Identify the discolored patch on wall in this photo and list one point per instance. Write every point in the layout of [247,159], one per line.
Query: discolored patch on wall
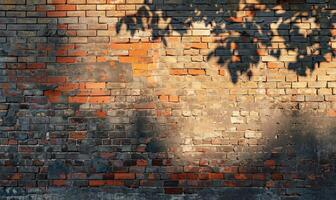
[97,72]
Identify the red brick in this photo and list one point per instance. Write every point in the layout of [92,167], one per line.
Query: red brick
[36,66]
[53,96]
[124,176]
[142,162]
[68,87]
[57,79]
[114,182]
[277,176]
[173,190]
[241,176]
[65,59]
[16,176]
[215,176]
[269,163]
[58,183]
[96,183]
[258,177]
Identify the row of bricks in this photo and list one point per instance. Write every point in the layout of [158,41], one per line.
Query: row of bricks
[172,176]
[22,2]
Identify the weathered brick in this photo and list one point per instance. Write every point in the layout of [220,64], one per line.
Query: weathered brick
[167,96]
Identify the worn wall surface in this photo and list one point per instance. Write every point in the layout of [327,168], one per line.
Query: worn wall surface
[170,99]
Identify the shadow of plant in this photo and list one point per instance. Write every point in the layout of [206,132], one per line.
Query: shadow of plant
[245,32]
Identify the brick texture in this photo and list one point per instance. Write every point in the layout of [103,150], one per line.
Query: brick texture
[171,97]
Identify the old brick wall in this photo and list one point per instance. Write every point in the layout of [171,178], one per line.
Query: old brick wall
[171,99]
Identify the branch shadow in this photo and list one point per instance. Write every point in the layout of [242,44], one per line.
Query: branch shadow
[245,32]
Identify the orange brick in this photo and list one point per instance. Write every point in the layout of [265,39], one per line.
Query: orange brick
[94,92]
[163,113]
[163,97]
[101,114]
[93,85]
[261,52]
[331,113]
[66,47]
[174,98]
[178,71]
[275,65]
[126,59]
[78,135]
[235,58]
[221,72]
[77,53]
[76,99]
[101,59]
[196,72]
[138,52]
[333,32]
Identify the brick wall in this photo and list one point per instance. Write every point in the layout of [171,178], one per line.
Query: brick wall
[135,99]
